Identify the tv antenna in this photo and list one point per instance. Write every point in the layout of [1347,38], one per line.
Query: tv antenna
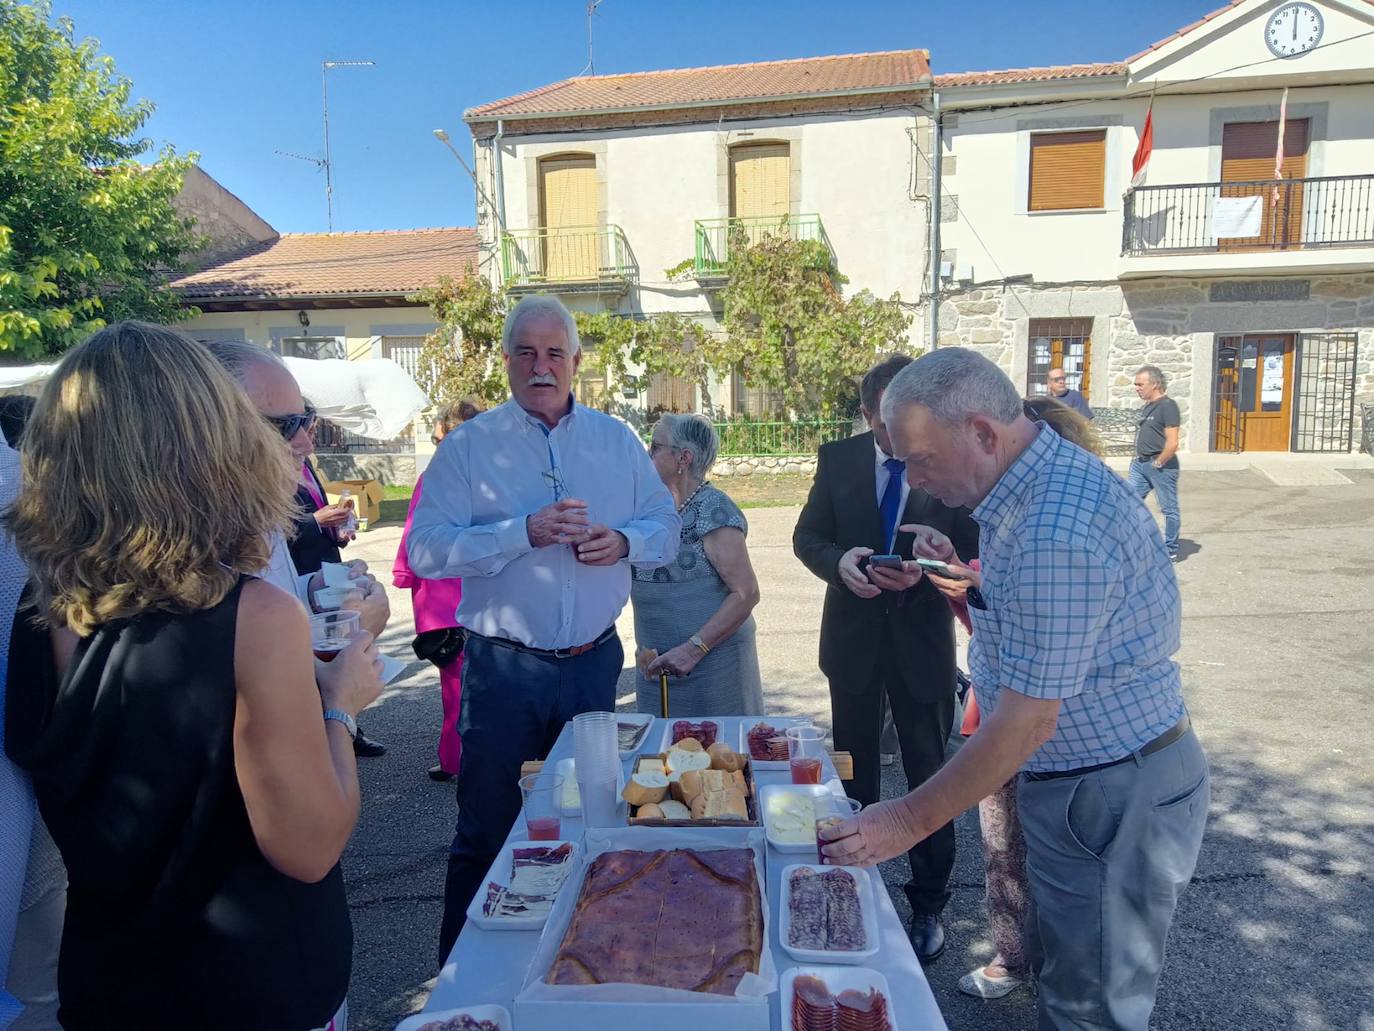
[592,5]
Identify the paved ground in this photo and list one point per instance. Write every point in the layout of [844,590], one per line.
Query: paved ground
[1278,927]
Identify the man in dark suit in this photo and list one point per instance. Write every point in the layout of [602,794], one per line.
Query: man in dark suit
[885,632]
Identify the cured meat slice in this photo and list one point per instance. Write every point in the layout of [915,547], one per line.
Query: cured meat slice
[844,922]
[815,1009]
[806,911]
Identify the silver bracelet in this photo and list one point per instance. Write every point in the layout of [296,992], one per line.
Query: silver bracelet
[350,724]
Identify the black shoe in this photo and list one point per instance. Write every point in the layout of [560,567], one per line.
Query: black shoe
[927,936]
[365,748]
[439,773]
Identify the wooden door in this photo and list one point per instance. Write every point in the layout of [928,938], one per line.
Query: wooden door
[567,202]
[1247,154]
[1255,410]
[760,180]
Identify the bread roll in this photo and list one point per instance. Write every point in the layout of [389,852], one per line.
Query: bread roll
[689,744]
[650,811]
[649,764]
[644,788]
[688,786]
[675,811]
[723,757]
[680,760]
[720,805]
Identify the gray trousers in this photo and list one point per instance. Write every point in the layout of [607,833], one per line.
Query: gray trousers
[1107,856]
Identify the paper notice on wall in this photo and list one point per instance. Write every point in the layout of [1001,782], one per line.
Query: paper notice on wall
[1271,383]
[1237,217]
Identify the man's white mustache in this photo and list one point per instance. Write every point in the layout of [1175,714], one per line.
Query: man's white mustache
[542,381]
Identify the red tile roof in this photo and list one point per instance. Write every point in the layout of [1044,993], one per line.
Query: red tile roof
[392,262]
[763,80]
[1066,71]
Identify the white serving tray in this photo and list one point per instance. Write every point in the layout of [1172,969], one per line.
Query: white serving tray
[543,1007]
[836,979]
[770,790]
[777,722]
[500,873]
[642,718]
[665,742]
[867,910]
[496,1014]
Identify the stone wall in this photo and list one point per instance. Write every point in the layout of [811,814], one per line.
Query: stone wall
[1169,323]
[764,465]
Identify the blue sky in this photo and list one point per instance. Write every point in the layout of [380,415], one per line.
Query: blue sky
[237,81]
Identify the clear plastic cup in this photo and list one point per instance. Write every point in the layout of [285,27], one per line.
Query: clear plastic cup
[330,632]
[540,794]
[831,811]
[805,753]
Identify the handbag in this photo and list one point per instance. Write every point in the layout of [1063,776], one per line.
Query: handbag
[441,646]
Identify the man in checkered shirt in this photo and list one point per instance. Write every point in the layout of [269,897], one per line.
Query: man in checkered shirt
[1075,625]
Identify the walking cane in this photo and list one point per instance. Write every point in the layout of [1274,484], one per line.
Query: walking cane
[663,692]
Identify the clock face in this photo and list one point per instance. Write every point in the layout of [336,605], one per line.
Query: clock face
[1293,29]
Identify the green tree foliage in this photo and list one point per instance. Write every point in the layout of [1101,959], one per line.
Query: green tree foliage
[87,233]
[462,357]
[788,326]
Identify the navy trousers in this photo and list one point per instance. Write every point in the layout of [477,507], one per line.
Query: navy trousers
[514,706]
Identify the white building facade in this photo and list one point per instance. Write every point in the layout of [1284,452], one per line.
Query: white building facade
[619,193]
[1250,285]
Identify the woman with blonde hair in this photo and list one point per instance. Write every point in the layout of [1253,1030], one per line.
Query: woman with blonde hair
[189,757]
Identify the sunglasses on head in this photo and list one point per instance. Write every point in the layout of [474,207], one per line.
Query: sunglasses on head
[289,425]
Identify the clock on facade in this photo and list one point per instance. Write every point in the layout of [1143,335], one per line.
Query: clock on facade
[1293,29]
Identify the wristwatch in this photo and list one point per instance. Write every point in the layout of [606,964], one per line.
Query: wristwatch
[350,724]
[696,640]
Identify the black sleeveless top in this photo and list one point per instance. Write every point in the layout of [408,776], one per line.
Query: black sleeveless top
[174,917]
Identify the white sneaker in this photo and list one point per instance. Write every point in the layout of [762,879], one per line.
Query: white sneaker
[978,984]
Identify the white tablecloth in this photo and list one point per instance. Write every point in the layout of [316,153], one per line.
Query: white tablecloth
[490,966]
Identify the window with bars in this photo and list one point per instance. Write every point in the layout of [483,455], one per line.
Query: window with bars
[1059,344]
[1068,170]
[405,352]
[317,347]
[756,402]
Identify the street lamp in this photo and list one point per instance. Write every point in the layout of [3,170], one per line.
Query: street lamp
[442,136]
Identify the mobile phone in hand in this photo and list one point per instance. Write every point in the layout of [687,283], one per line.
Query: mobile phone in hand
[934,565]
[886,561]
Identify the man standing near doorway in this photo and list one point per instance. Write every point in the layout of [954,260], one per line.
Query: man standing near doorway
[885,633]
[1155,466]
[540,506]
[1058,382]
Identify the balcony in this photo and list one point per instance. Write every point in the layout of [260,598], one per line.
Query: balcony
[1321,224]
[567,259]
[715,236]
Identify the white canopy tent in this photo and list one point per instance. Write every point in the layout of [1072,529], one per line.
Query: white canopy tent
[374,398]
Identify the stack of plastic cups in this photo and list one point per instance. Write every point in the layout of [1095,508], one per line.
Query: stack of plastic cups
[596,752]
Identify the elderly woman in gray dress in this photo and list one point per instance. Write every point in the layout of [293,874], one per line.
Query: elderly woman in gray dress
[695,613]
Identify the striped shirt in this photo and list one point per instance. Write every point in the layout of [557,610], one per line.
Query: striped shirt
[1081,605]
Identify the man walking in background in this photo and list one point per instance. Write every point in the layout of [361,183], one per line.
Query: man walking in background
[885,634]
[540,506]
[1155,466]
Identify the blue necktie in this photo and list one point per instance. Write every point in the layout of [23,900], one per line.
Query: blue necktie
[890,507]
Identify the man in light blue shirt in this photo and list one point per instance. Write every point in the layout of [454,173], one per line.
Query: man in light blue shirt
[1074,629]
[539,505]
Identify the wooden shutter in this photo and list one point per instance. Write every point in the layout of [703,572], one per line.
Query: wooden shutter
[1247,155]
[567,198]
[760,180]
[1068,170]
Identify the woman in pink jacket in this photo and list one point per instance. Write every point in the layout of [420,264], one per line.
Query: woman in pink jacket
[435,603]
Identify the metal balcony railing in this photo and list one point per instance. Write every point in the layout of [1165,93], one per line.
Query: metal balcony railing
[714,237]
[566,255]
[1257,215]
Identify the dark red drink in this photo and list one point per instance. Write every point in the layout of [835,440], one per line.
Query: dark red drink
[326,650]
[543,828]
[805,770]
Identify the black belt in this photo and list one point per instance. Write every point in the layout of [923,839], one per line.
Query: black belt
[551,653]
[1163,741]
